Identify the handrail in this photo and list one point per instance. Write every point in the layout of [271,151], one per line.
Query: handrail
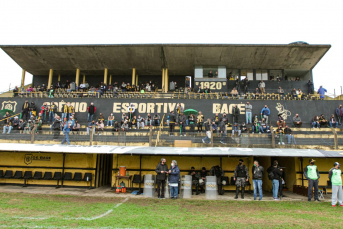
[9,117]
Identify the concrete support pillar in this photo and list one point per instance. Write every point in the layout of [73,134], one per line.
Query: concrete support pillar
[105,76]
[133,76]
[77,79]
[51,73]
[23,78]
[110,82]
[84,79]
[136,79]
[59,78]
[166,80]
[163,73]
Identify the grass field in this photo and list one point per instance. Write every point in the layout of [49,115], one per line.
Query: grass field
[59,211]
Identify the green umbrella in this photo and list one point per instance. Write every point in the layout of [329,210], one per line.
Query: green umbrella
[3,112]
[190,111]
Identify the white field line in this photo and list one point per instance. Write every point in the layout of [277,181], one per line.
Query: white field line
[79,218]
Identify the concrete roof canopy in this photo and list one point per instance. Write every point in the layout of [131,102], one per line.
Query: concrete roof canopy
[149,59]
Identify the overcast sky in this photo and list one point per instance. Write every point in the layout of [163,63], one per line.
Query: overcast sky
[127,22]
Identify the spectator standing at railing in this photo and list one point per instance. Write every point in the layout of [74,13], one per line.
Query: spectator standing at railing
[91,111]
[15,91]
[208,130]
[128,87]
[153,88]
[207,90]
[148,87]
[339,114]
[172,121]
[297,121]
[262,87]
[51,92]
[25,110]
[66,131]
[265,112]
[223,129]
[182,124]
[248,110]
[33,109]
[52,111]
[44,110]
[235,113]
[281,92]
[289,135]
[110,119]
[140,122]
[333,122]
[123,86]
[64,111]
[200,121]
[321,91]
[29,89]
[199,90]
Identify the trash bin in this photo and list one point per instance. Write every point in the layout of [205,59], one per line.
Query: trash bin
[186,182]
[211,188]
[149,185]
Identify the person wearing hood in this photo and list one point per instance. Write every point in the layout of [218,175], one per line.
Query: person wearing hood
[311,173]
[240,176]
[174,176]
[335,176]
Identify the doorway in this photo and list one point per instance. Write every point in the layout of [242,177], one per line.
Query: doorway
[103,175]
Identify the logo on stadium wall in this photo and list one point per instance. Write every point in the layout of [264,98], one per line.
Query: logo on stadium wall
[281,110]
[9,105]
[28,159]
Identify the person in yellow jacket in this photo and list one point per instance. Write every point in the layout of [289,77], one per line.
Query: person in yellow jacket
[70,110]
[64,111]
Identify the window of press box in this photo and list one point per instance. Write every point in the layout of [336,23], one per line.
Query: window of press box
[261,74]
[245,73]
[210,72]
[232,74]
[275,74]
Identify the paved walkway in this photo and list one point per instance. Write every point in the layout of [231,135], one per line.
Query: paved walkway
[106,192]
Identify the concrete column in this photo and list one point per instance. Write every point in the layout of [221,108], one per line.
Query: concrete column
[51,73]
[105,76]
[23,78]
[109,83]
[163,73]
[59,78]
[77,79]
[166,80]
[133,77]
[136,79]
[84,79]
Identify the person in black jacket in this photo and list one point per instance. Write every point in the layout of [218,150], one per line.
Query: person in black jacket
[277,174]
[219,173]
[235,113]
[208,130]
[172,121]
[161,170]
[25,110]
[281,181]
[240,175]
[182,123]
[257,173]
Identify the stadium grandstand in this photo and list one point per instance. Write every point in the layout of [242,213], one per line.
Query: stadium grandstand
[130,105]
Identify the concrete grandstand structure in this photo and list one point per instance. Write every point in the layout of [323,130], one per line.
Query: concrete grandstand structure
[162,64]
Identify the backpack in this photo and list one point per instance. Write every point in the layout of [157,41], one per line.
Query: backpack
[271,175]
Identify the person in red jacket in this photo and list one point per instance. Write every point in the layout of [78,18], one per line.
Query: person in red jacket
[91,111]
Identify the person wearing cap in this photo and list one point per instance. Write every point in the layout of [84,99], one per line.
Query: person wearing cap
[195,179]
[335,176]
[312,175]
[240,175]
